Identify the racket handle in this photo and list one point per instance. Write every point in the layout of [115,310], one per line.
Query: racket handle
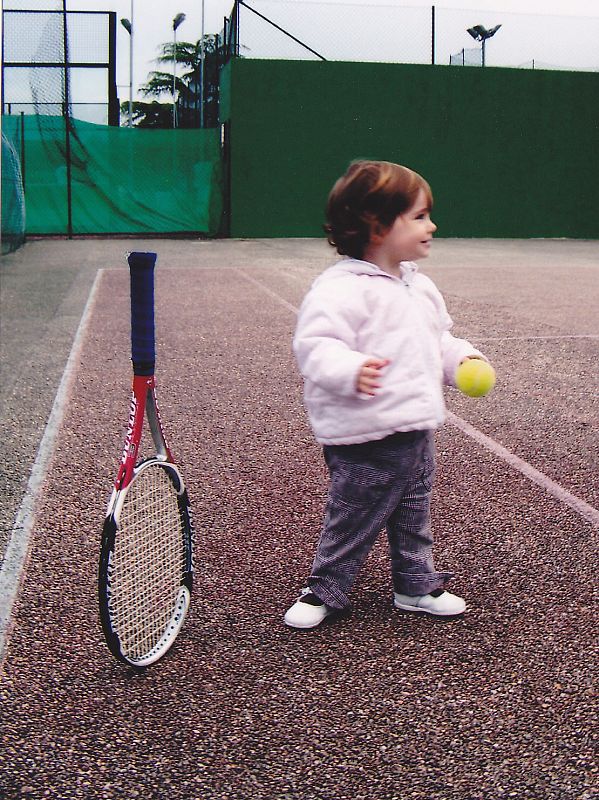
[143,352]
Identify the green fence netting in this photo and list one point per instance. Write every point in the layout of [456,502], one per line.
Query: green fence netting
[13,201]
[117,180]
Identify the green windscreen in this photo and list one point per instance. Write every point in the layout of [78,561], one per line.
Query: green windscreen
[117,180]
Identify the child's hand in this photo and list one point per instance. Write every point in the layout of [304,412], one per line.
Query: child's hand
[471,358]
[369,375]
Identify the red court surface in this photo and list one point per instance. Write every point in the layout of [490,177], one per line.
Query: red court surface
[373,706]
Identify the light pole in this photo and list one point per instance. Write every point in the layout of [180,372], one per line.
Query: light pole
[202,58]
[128,26]
[176,22]
[481,34]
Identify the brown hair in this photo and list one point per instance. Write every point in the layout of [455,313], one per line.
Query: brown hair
[370,196]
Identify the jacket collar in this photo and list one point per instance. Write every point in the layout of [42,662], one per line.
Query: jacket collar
[354,266]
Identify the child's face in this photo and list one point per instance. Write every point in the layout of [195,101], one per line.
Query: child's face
[410,236]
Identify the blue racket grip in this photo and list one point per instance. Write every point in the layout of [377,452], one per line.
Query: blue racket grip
[143,352]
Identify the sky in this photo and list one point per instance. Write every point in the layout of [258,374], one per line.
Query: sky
[152,20]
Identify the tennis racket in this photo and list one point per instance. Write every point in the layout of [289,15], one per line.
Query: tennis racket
[145,573]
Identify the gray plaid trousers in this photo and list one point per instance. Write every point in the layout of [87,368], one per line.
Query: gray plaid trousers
[377,485]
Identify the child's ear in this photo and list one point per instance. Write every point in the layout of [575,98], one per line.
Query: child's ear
[377,233]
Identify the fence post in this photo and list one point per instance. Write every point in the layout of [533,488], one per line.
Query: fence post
[67,121]
[23,149]
[114,111]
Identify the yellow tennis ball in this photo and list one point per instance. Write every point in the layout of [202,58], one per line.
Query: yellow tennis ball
[475,377]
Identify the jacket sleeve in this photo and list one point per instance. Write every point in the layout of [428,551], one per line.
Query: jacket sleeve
[453,350]
[323,343]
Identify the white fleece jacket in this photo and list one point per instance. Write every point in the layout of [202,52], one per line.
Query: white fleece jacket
[355,310]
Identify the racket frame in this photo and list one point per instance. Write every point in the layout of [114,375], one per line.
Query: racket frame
[143,404]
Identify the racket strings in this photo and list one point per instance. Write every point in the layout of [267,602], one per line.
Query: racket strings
[149,562]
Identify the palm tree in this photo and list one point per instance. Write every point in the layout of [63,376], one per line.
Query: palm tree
[150,115]
[186,86]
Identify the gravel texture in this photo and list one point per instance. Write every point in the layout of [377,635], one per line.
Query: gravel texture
[371,706]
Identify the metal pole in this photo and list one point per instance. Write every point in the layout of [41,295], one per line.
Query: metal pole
[23,149]
[174,75]
[67,122]
[176,22]
[131,69]
[202,56]
[2,70]
[484,42]
[432,34]
[274,25]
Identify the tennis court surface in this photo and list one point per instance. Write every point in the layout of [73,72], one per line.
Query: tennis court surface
[374,706]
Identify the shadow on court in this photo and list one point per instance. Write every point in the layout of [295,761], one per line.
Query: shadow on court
[374,706]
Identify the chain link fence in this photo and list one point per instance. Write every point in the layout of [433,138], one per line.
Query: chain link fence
[52,60]
[304,29]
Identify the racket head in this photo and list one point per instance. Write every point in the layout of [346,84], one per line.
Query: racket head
[145,574]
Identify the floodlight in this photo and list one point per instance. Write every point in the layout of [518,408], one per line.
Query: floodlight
[178,20]
[481,34]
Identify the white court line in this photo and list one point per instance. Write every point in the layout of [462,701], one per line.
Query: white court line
[19,542]
[268,290]
[537,338]
[551,487]
[583,508]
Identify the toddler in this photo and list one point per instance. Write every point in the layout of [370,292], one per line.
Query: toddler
[373,344]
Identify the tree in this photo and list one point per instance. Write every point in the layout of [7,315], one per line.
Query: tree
[150,115]
[187,87]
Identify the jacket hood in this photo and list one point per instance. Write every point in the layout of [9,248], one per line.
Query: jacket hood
[354,266]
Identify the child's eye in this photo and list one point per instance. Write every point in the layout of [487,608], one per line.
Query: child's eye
[423,214]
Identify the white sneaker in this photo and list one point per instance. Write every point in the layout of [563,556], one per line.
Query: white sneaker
[307,611]
[445,604]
